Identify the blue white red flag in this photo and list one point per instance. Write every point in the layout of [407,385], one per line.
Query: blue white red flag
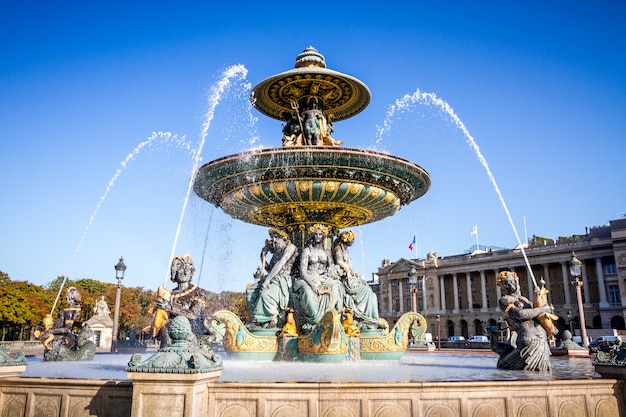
[412,245]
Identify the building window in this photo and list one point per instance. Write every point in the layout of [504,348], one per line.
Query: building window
[615,298]
[610,269]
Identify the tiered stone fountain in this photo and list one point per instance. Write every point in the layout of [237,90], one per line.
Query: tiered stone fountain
[312,182]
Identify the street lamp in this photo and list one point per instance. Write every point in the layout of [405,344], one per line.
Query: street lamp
[120,268]
[438,332]
[575,268]
[413,280]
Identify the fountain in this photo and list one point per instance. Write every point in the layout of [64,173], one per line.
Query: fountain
[308,191]
[312,183]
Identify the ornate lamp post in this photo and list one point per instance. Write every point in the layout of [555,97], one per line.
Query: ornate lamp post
[413,280]
[120,268]
[575,268]
[438,332]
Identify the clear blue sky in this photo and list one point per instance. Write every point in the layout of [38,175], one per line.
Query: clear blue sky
[541,87]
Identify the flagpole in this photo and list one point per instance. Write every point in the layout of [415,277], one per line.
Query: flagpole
[475,232]
[477,247]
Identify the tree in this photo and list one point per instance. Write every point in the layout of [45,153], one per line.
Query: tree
[22,306]
[228,300]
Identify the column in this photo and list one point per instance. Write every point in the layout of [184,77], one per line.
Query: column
[531,285]
[498,289]
[442,293]
[566,285]
[390,291]
[483,290]
[468,281]
[601,285]
[401,294]
[455,291]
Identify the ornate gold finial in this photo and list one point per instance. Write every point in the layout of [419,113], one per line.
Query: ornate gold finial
[310,57]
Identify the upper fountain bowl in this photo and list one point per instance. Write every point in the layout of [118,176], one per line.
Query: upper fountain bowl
[341,96]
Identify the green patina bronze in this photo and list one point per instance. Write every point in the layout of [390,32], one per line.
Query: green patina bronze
[6,359]
[182,356]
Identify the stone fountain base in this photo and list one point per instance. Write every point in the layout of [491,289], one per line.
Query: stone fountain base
[30,397]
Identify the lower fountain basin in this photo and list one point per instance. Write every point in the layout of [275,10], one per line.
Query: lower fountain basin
[288,187]
[422,366]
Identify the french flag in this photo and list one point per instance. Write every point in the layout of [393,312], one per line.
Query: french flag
[412,245]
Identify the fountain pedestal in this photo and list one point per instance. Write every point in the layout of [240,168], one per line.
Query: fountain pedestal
[165,394]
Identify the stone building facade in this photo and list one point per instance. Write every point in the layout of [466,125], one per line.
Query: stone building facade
[459,297]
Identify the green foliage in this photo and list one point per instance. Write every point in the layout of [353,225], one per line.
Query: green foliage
[228,300]
[56,284]
[91,286]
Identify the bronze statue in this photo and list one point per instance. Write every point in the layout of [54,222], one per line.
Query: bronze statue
[318,287]
[527,348]
[186,333]
[268,300]
[60,339]
[359,297]
[311,124]
[185,300]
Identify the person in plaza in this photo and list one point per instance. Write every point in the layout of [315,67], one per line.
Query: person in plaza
[318,287]
[528,347]
[359,296]
[269,298]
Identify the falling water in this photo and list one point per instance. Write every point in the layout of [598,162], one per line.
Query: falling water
[163,136]
[215,96]
[206,243]
[432,99]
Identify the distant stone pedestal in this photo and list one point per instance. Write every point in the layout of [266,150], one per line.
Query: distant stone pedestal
[102,326]
[173,395]
[576,352]
[11,371]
